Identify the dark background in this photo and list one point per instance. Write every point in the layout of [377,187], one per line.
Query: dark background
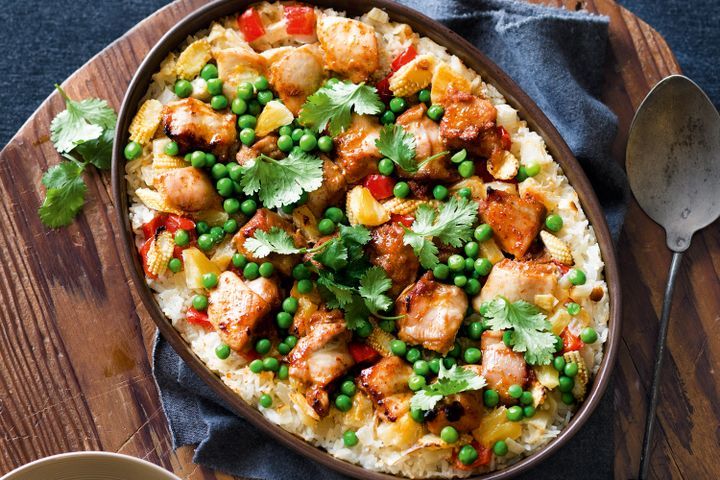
[43,42]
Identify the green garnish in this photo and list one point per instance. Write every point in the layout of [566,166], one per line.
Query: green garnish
[281,182]
[451,224]
[373,285]
[330,107]
[83,133]
[529,329]
[449,382]
[275,240]
[399,146]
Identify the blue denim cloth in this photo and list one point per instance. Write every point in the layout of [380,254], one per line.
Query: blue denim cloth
[557,58]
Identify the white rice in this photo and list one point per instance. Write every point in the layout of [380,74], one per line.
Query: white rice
[379,448]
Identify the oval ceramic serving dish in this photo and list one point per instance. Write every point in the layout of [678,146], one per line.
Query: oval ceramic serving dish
[490,72]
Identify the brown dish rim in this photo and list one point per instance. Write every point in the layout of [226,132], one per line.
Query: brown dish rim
[474,59]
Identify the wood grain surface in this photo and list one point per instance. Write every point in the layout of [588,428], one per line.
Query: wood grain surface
[74,344]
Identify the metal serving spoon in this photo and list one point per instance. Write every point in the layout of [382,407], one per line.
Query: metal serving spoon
[673,165]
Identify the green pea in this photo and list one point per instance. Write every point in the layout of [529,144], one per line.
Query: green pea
[251,271]
[417,414]
[182,238]
[248,207]
[290,305]
[217,233]
[285,143]
[326,226]
[266,269]
[283,348]
[210,160]
[231,205]
[325,143]
[455,351]
[435,112]
[416,382]
[265,400]
[577,276]
[283,372]
[172,149]
[387,118]
[559,344]
[469,264]
[424,95]
[459,157]
[522,174]
[421,367]
[209,280]
[343,402]
[132,150]
[473,286]
[222,351]
[183,88]
[401,190]
[588,335]
[285,130]
[175,265]
[483,266]
[386,166]
[508,338]
[263,346]
[472,355]
[348,388]
[515,390]
[288,209]
[264,97]
[239,260]
[500,448]
[491,398]
[514,413]
[215,86]
[554,222]
[305,286]
[245,91]
[224,187]
[456,263]
[271,364]
[532,169]
[297,134]
[284,319]
[397,104]
[398,347]
[413,355]
[219,102]
[209,72]
[335,214]
[467,454]
[566,384]
[200,302]
[559,363]
[247,121]
[254,107]
[472,249]
[475,330]
[197,159]
[571,369]
[465,192]
[350,439]
[247,136]
[440,192]
[449,435]
[434,364]
[301,272]
[291,340]
[567,398]
[256,366]
[234,171]
[466,169]
[526,398]
[441,271]
[261,83]
[387,325]
[238,106]
[572,308]
[483,232]
[460,280]
[205,242]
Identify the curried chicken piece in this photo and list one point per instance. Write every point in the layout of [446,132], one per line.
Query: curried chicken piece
[428,142]
[194,125]
[432,314]
[350,47]
[469,122]
[501,366]
[386,383]
[238,65]
[297,74]
[462,411]
[264,220]
[319,358]
[266,145]
[356,150]
[236,308]
[188,189]
[332,190]
[388,251]
[518,281]
[515,221]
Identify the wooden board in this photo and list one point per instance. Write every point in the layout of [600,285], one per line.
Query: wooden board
[74,345]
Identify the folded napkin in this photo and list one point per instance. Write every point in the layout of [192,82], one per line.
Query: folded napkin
[557,57]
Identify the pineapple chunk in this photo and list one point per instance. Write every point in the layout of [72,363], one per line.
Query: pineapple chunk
[223,255]
[495,426]
[503,167]
[193,59]
[559,320]
[545,301]
[196,265]
[402,433]
[444,79]
[491,251]
[547,376]
[363,209]
[273,116]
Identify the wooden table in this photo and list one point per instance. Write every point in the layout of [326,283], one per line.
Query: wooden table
[74,344]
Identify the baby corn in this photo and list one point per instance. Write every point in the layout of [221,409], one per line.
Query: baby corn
[146,121]
[558,250]
[413,76]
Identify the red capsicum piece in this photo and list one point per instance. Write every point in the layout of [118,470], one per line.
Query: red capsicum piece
[299,20]
[406,220]
[362,352]
[198,318]
[251,25]
[380,186]
[570,342]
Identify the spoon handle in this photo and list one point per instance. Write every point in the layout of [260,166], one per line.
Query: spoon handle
[659,358]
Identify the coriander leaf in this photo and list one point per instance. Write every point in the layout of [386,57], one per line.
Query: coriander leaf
[276,240]
[282,182]
[334,254]
[330,107]
[336,294]
[451,224]
[356,234]
[98,151]
[355,311]
[80,122]
[449,382]
[373,284]
[530,328]
[399,146]
[65,194]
